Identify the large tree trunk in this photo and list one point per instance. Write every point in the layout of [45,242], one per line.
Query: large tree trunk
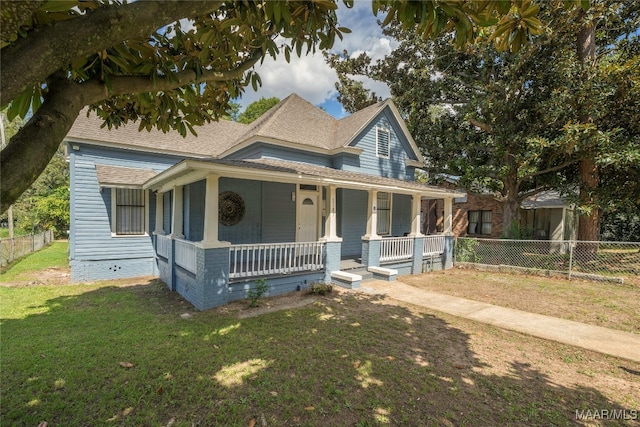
[510,198]
[588,225]
[510,208]
[30,150]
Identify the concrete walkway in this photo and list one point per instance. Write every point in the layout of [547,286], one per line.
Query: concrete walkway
[603,340]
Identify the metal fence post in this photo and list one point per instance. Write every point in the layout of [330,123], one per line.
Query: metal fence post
[455,247]
[570,257]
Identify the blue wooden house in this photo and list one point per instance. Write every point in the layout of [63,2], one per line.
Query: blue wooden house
[295,197]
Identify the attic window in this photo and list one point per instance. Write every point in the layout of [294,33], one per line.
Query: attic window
[383,138]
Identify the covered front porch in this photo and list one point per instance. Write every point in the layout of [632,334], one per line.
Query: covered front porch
[222,225]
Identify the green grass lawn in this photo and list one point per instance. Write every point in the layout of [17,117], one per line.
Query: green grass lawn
[120,353]
[111,353]
[55,255]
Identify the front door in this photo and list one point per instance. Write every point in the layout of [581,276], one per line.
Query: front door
[307,217]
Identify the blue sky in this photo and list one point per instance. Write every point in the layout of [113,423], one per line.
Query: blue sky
[310,77]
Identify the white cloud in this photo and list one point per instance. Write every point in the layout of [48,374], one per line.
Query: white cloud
[309,76]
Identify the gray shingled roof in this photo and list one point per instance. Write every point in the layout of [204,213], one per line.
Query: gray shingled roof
[350,125]
[114,176]
[213,138]
[545,199]
[293,120]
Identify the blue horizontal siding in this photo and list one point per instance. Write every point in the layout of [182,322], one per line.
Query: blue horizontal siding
[249,229]
[261,150]
[278,213]
[352,206]
[369,162]
[193,206]
[95,254]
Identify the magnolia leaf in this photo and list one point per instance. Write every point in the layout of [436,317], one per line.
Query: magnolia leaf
[59,5]
[20,106]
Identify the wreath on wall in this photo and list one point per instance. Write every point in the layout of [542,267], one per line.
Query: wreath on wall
[231,208]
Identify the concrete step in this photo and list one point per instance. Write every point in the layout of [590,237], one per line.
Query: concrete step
[366,275]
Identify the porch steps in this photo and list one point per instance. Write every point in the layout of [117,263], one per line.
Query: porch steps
[346,279]
[353,278]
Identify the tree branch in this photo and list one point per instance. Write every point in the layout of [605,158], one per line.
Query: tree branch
[30,150]
[23,160]
[95,90]
[485,127]
[548,170]
[50,48]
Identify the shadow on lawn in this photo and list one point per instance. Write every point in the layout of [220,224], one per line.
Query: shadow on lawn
[345,360]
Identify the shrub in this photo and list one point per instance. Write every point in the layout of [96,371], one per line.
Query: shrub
[257,292]
[320,288]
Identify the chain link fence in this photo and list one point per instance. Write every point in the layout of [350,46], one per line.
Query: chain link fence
[12,249]
[610,261]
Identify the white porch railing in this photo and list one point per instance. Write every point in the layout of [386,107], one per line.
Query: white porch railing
[274,258]
[396,248]
[433,245]
[163,245]
[185,255]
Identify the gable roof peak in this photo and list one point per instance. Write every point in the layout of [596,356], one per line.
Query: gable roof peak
[295,120]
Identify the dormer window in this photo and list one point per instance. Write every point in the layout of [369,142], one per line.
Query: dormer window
[383,140]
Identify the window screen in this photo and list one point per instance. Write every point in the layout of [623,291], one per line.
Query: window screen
[129,211]
[384,214]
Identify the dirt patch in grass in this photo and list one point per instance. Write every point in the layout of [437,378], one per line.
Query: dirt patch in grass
[48,276]
[243,310]
[610,305]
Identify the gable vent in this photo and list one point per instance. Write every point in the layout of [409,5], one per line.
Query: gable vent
[383,138]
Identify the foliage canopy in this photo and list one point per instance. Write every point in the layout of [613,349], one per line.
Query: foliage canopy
[173,65]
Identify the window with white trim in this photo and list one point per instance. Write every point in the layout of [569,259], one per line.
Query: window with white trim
[129,211]
[383,227]
[383,141]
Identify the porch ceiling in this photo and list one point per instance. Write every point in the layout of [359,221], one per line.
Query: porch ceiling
[290,172]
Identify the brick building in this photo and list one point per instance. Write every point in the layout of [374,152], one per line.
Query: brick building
[476,215]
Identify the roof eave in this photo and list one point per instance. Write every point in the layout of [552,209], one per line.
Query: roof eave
[193,170]
[122,146]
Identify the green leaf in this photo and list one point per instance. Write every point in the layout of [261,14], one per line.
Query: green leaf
[20,106]
[58,5]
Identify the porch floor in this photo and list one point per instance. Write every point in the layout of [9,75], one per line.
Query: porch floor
[351,264]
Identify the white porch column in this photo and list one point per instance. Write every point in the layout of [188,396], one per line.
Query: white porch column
[176,214]
[372,216]
[159,214]
[415,215]
[448,216]
[330,227]
[211,206]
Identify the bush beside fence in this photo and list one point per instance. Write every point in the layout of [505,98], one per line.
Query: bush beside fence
[613,261]
[12,249]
